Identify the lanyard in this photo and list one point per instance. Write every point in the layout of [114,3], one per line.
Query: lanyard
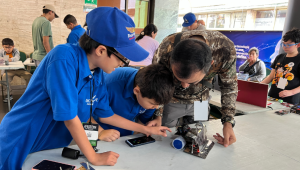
[91,99]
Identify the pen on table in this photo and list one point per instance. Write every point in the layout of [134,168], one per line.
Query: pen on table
[87,165]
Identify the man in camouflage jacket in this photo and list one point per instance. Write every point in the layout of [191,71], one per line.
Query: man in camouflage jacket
[223,65]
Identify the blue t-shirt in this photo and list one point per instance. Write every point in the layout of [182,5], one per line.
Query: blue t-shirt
[120,84]
[58,90]
[75,34]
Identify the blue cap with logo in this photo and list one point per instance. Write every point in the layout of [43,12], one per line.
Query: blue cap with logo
[188,19]
[112,27]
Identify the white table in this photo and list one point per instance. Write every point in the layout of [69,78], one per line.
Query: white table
[265,141]
[28,63]
[12,66]
[244,107]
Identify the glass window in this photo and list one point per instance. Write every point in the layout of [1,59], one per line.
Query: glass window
[138,11]
[280,19]
[223,21]
[238,20]
[264,20]
[141,14]
[212,20]
[202,17]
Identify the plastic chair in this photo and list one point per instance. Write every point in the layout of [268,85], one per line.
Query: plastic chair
[32,67]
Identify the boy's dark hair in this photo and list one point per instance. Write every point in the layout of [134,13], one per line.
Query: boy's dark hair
[70,19]
[8,41]
[147,31]
[88,44]
[45,11]
[293,35]
[189,56]
[155,82]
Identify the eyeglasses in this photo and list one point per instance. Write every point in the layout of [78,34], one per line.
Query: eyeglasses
[126,63]
[288,45]
[9,47]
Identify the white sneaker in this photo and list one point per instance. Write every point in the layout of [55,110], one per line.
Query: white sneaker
[6,99]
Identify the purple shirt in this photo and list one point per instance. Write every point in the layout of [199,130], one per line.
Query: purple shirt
[150,45]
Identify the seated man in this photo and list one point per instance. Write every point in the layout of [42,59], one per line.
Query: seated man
[14,55]
[76,30]
[135,94]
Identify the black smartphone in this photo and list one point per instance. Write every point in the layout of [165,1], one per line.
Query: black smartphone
[51,165]
[140,141]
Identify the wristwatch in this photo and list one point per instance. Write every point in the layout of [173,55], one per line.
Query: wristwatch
[228,119]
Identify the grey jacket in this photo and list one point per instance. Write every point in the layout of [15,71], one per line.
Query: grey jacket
[259,68]
[15,53]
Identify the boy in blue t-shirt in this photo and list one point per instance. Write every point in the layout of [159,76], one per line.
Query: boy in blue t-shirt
[285,74]
[135,94]
[58,97]
[76,30]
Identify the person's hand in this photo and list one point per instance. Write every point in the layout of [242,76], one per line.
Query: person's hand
[105,158]
[285,93]
[155,122]
[249,79]
[109,135]
[229,136]
[161,130]
[9,60]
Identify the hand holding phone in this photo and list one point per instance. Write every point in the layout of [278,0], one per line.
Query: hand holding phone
[140,141]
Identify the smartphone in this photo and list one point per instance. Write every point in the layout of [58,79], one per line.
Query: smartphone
[51,165]
[140,141]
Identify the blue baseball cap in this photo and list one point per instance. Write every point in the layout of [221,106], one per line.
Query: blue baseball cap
[112,27]
[188,19]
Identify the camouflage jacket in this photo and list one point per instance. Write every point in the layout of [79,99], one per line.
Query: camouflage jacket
[224,56]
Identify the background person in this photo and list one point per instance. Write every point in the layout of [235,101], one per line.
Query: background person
[146,39]
[255,67]
[76,30]
[42,34]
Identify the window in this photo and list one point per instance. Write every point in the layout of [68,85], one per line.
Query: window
[238,20]
[202,17]
[212,20]
[223,21]
[280,19]
[264,20]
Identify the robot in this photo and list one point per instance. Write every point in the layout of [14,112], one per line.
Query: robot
[197,143]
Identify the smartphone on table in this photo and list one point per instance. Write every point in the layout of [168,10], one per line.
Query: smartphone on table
[51,165]
[140,141]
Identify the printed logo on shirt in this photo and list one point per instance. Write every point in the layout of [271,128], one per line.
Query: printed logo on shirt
[142,111]
[88,101]
[283,72]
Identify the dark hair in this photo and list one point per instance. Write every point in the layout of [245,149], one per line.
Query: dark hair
[45,11]
[147,31]
[70,19]
[293,35]
[8,41]
[155,82]
[88,44]
[191,55]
